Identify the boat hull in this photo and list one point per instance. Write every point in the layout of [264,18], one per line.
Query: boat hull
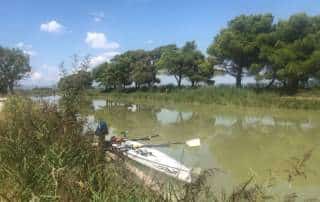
[157,160]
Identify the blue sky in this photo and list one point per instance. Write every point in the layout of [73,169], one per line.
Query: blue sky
[52,31]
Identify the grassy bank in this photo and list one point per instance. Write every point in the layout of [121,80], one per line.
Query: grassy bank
[43,157]
[244,97]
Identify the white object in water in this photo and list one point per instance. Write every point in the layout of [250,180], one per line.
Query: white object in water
[157,160]
[193,142]
[132,108]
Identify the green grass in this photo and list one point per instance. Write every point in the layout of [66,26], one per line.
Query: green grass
[44,158]
[243,97]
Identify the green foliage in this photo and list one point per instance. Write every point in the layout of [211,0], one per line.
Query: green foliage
[72,86]
[136,66]
[236,46]
[294,54]
[80,80]
[172,61]
[121,66]
[106,75]
[14,65]
[286,52]
[186,62]
[144,71]
[197,68]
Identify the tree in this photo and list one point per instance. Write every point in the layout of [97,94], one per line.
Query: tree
[121,68]
[144,70]
[206,70]
[14,66]
[80,79]
[156,53]
[99,74]
[186,62]
[173,62]
[290,54]
[198,69]
[236,48]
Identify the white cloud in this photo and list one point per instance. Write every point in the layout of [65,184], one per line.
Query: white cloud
[104,57]
[51,27]
[23,45]
[26,48]
[44,75]
[97,16]
[99,40]
[35,76]
[149,42]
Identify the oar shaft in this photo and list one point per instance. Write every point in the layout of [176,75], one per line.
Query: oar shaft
[161,145]
[144,138]
[155,145]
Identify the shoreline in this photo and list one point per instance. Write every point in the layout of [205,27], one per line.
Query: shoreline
[2,100]
[242,98]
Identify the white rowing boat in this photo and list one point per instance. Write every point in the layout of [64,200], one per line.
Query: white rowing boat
[156,160]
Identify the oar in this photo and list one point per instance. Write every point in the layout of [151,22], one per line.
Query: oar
[190,143]
[144,138]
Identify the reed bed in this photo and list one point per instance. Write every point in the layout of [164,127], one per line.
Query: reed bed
[243,97]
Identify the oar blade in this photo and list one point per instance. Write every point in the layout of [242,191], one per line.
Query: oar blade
[193,142]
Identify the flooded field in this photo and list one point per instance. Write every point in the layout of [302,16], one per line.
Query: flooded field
[275,146]
[266,143]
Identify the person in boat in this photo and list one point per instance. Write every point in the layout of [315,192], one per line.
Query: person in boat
[105,139]
[102,131]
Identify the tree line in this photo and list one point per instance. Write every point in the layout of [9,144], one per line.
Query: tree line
[285,53]
[140,67]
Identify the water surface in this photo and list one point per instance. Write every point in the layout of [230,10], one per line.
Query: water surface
[241,142]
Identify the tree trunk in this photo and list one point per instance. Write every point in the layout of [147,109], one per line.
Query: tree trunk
[272,80]
[178,79]
[239,78]
[10,85]
[192,83]
[293,85]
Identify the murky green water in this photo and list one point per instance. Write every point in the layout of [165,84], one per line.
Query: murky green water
[240,142]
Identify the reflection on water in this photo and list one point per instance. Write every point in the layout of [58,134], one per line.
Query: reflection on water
[54,99]
[167,116]
[98,104]
[240,142]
